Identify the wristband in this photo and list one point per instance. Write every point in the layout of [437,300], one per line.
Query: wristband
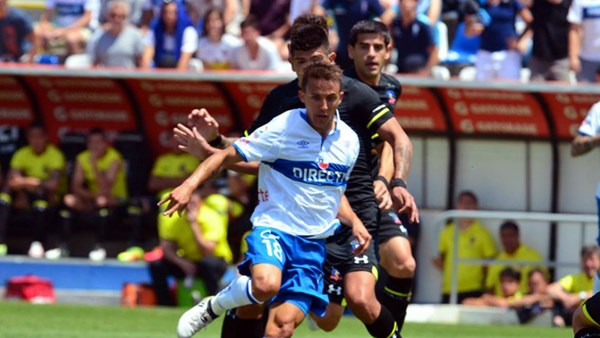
[398,182]
[216,143]
[383,179]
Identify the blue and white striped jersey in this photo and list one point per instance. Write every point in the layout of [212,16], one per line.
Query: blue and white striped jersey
[302,175]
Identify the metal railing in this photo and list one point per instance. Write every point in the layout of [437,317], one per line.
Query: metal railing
[442,219]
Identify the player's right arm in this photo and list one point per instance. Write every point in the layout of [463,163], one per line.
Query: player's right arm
[347,216]
[180,196]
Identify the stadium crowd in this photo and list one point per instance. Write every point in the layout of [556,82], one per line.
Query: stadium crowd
[252,35]
[470,39]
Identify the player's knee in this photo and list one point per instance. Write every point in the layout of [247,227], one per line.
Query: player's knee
[402,267]
[329,323]
[265,287]
[282,326]
[362,302]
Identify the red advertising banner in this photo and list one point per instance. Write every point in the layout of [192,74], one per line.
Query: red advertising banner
[248,97]
[568,110]
[484,112]
[74,104]
[15,108]
[419,111]
[164,103]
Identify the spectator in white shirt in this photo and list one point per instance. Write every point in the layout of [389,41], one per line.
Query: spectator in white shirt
[215,49]
[257,52]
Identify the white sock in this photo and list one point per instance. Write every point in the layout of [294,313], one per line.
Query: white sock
[236,294]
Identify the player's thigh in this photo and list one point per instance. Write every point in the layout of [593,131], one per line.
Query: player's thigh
[359,286]
[395,256]
[283,319]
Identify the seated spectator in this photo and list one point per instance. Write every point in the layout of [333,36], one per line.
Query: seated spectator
[134,9]
[172,41]
[570,291]
[193,245]
[474,242]
[584,41]
[513,250]
[499,56]
[257,52]
[509,281]
[17,37]
[98,186]
[272,21]
[33,184]
[215,49]
[198,10]
[66,23]
[537,300]
[413,40]
[117,43]
[345,14]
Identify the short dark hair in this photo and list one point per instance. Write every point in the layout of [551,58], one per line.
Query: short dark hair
[97,131]
[468,193]
[511,273]
[369,27]
[590,249]
[321,71]
[250,21]
[308,32]
[509,225]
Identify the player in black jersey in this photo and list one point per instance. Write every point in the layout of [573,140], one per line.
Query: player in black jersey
[363,111]
[586,319]
[369,48]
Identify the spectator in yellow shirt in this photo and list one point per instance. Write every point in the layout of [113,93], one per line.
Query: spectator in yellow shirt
[98,186]
[33,184]
[193,244]
[569,292]
[475,242]
[514,250]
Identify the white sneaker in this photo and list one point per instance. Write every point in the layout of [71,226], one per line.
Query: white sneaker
[98,254]
[36,250]
[56,253]
[194,319]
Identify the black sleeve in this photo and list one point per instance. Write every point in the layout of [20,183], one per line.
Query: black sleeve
[375,111]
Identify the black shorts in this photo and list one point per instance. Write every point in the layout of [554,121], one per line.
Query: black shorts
[390,226]
[340,260]
[591,308]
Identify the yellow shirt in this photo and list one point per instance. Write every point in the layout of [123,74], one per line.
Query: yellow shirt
[213,225]
[577,282]
[524,253]
[119,185]
[473,243]
[173,165]
[40,166]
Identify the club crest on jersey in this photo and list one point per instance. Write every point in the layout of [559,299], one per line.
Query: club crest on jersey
[323,165]
[391,96]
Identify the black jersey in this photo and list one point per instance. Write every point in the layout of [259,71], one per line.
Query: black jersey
[363,111]
[389,90]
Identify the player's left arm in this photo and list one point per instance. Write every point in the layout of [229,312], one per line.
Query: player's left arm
[180,196]
[381,183]
[347,216]
[392,132]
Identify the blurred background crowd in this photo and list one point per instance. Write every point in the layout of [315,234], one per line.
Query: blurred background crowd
[468,39]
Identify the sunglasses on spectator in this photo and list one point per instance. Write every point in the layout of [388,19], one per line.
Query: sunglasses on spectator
[117,16]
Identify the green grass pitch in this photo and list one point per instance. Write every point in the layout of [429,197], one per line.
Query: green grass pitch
[24,320]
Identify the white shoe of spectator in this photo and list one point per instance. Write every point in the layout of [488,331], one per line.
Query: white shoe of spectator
[36,250]
[56,253]
[98,254]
